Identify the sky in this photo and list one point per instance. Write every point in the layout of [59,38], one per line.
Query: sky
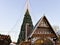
[12,14]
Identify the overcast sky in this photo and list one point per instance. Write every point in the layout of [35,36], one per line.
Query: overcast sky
[12,13]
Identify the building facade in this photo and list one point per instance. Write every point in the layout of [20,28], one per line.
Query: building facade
[42,34]
[5,40]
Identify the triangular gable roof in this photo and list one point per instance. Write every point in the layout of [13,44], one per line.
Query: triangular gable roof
[38,25]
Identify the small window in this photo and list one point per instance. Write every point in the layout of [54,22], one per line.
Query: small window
[38,27]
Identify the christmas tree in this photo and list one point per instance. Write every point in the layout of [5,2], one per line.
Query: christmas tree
[27,19]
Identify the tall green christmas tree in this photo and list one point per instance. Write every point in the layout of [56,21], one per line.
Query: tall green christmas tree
[27,19]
